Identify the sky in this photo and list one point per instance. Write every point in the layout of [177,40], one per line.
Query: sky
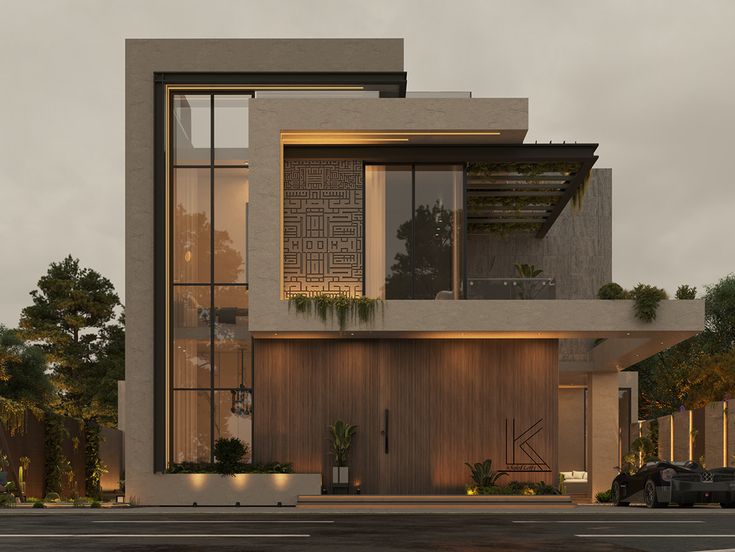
[653,82]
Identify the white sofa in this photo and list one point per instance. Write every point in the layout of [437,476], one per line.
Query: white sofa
[573,482]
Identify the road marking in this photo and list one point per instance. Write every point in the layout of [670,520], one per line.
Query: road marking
[669,535]
[209,521]
[718,550]
[148,535]
[610,521]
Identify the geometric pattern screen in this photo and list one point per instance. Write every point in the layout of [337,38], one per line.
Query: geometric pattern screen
[322,227]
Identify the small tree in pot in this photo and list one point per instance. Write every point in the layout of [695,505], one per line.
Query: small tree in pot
[340,440]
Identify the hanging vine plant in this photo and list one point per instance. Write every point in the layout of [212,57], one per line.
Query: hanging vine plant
[328,307]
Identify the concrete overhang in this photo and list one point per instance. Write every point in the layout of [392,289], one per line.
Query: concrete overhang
[613,321]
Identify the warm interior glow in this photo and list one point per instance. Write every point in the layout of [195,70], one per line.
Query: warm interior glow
[368,137]
[690,436]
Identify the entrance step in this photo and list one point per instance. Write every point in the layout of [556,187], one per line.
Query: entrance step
[342,502]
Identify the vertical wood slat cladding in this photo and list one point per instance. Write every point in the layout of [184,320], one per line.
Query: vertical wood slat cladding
[448,403]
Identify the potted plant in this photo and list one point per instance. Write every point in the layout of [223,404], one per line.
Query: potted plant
[340,440]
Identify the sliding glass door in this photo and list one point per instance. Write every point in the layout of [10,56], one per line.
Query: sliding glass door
[412,231]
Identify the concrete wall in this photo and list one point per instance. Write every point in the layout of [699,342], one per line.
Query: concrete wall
[208,489]
[142,59]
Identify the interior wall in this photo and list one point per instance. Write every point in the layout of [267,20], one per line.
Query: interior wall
[449,402]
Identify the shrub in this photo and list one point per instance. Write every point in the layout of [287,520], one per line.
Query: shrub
[39,504]
[513,488]
[7,500]
[646,303]
[228,454]
[604,497]
[52,497]
[10,487]
[686,292]
[206,467]
[612,291]
[95,504]
[483,474]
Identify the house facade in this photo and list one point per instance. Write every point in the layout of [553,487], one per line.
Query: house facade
[264,177]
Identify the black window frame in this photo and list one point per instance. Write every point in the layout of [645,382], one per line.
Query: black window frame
[388,84]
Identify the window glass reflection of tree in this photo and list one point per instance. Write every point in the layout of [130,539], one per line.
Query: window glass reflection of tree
[423,267]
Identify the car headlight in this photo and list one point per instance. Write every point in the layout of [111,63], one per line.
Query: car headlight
[668,474]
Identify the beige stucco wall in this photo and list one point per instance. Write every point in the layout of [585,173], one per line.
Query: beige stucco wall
[142,59]
[682,436]
[602,415]
[714,443]
[665,436]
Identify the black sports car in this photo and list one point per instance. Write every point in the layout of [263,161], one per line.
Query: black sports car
[685,483]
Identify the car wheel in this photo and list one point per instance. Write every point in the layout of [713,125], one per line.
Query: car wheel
[617,495]
[727,504]
[649,492]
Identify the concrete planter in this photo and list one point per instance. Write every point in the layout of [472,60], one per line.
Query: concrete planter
[207,489]
[340,475]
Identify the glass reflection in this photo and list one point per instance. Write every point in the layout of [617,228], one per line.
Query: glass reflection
[191,226]
[191,129]
[231,208]
[231,129]
[192,431]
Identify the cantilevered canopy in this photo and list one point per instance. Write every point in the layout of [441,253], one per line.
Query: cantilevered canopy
[526,187]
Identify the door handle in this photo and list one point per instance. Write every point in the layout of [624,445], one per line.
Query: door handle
[385,431]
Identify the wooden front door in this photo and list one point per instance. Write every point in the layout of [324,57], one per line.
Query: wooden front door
[446,401]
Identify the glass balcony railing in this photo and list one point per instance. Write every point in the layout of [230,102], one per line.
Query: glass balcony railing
[511,288]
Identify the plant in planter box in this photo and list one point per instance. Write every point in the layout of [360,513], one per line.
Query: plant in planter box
[340,441]
[228,455]
[483,474]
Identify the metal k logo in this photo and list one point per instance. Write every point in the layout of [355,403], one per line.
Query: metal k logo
[518,448]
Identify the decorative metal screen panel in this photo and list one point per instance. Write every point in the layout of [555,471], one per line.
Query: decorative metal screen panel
[322,227]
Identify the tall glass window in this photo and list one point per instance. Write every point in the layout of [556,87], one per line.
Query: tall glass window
[210,348]
[412,231]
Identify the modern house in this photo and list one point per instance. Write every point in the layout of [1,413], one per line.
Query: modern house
[262,173]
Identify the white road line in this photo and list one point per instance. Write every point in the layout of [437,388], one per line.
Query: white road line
[667,535]
[718,550]
[609,521]
[208,521]
[148,536]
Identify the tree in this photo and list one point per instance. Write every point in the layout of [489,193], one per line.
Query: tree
[23,381]
[698,370]
[72,318]
[719,316]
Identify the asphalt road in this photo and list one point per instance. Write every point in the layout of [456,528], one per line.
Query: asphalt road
[579,530]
